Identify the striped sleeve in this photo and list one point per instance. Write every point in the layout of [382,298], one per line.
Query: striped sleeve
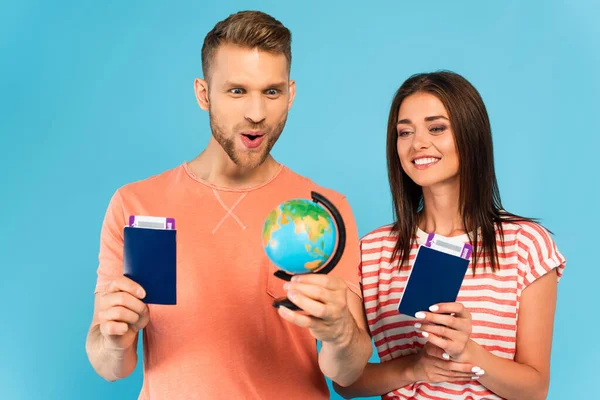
[538,254]
[360,266]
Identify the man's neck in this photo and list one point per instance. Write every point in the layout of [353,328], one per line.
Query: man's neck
[214,166]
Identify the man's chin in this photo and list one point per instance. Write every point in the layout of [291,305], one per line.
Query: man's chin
[250,161]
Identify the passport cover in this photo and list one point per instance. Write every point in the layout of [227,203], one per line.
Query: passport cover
[150,259]
[436,277]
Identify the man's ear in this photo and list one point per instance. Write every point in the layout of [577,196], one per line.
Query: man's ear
[292,89]
[201,90]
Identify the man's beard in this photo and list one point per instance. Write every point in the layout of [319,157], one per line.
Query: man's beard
[250,159]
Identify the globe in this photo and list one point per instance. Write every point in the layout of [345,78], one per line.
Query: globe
[299,236]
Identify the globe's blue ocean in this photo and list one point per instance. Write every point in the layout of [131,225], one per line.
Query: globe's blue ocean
[292,252]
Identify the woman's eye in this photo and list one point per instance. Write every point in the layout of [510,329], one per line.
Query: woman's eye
[404,133]
[437,129]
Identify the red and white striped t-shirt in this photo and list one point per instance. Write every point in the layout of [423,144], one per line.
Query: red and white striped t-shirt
[492,298]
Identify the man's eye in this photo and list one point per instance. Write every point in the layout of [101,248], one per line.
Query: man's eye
[236,91]
[272,92]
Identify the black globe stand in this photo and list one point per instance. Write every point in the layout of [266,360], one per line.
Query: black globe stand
[334,260]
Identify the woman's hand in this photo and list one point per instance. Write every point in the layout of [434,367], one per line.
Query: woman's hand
[447,326]
[430,366]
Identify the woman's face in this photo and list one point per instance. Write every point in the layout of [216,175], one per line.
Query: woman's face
[426,146]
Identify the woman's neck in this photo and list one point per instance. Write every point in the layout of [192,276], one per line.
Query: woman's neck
[441,212]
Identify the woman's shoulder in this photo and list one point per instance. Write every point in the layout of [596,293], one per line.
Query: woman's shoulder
[537,250]
[527,231]
[534,242]
[380,235]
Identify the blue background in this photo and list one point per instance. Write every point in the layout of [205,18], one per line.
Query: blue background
[98,94]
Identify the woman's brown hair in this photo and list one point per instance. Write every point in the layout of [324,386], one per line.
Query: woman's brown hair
[479,199]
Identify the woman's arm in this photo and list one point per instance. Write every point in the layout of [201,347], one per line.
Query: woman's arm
[528,376]
[424,366]
[380,378]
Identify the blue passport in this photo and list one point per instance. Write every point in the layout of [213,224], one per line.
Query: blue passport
[150,259]
[436,277]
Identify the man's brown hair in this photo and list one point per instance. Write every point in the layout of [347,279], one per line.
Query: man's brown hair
[252,29]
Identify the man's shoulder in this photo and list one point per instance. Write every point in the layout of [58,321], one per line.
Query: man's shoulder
[309,184]
[153,184]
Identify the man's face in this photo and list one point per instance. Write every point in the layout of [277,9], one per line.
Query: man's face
[249,96]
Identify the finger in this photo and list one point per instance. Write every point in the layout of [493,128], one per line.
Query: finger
[113,328]
[456,367]
[436,340]
[123,299]
[326,281]
[451,376]
[441,319]
[448,308]
[451,347]
[119,314]
[444,332]
[435,351]
[315,292]
[310,306]
[124,284]
[143,320]
[467,373]
[303,321]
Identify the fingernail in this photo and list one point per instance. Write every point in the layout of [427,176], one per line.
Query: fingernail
[474,377]
[418,325]
[475,369]
[140,293]
[285,311]
[481,372]
[286,286]
[425,334]
[433,308]
[295,278]
[292,295]
[446,356]
[420,315]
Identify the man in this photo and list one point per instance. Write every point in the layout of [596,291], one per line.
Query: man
[224,339]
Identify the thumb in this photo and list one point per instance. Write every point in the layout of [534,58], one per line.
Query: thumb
[143,320]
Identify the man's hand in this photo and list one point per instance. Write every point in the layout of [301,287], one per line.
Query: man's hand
[324,302]
[121,313]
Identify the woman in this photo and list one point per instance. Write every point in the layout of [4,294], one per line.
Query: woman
[495,340]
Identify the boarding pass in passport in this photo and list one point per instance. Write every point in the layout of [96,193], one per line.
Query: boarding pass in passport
[143,221]
[449,246]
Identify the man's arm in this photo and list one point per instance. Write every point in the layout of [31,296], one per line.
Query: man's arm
[333,315]
[344,360]
[119,314]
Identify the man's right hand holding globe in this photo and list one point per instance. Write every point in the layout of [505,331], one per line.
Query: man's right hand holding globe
[327,314]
